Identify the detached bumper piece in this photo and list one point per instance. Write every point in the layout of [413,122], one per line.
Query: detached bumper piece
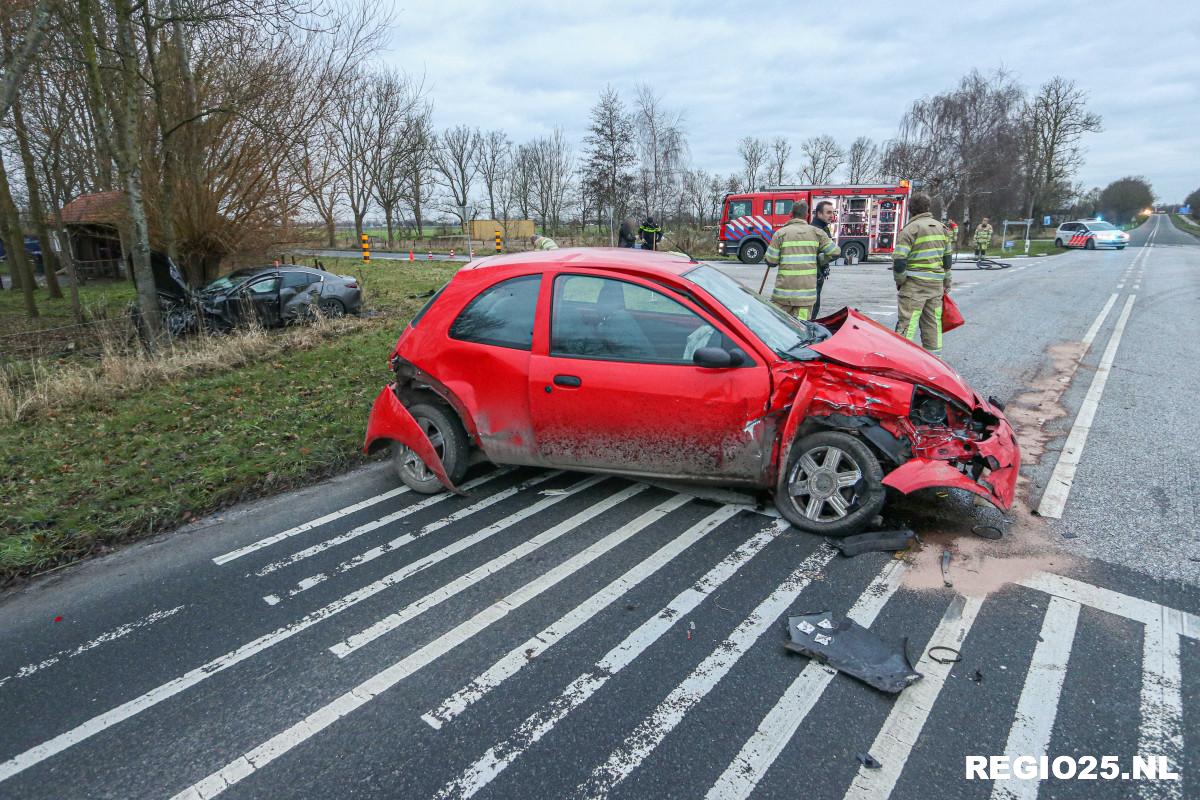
[850,648]
[390,421]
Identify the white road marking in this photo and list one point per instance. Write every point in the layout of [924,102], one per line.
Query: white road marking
[1160,732]
[1122,605]
[407,538]
[1090,336]
[108,636]
[894,743]
[308,526]
[255,759]
[102,722]
[751,764]
[387,519]
[525,653]
[463,582]
[1058,488]
[1038,704]
[541,722]
[650,732]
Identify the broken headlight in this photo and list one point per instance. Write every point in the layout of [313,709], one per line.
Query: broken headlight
[928,409]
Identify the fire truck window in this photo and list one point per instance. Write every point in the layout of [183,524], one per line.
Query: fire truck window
[783,206]
[739,208]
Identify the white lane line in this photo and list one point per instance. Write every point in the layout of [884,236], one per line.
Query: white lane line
[751,764]
[541,722]
[102,722]
[1058,488]
[650,732]
[1038,704]
[1160,732]
[463,582]
[308,526]
[108,636]
[1090,336]
[407,538]
[901,729]
[539,643]
[387,519]
[255,759]
[1122,605]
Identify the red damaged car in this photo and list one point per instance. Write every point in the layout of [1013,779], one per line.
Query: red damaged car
[654,365]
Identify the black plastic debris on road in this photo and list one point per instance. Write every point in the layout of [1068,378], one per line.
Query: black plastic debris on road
[850,648]
[877,541]
[867,760]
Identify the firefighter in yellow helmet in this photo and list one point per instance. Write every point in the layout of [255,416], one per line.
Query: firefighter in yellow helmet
[921,263]
[795,248]
[542,242]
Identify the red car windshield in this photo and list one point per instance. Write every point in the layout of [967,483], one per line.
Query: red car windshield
[781,332]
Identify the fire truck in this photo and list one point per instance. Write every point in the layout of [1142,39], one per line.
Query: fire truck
[867,218]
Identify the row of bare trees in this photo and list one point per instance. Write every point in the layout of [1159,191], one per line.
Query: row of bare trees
[822,160]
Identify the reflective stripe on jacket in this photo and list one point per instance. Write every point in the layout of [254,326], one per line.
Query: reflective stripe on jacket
[795,248]
[983,233]
[922,243]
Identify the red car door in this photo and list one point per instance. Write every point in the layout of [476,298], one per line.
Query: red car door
[614,385]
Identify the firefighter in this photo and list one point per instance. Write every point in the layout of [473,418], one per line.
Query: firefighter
[542,242]
[921,264]
[795,249]
[822,218]
[983,238]
[651,234]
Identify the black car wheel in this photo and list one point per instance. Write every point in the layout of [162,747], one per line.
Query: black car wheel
[449,441]
[1091,244]
[833,485]
[332,308]
[1058,243]
[751,252]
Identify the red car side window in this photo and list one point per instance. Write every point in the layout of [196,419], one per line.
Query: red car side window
[501,315]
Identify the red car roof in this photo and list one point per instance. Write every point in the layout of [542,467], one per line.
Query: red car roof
[621,258]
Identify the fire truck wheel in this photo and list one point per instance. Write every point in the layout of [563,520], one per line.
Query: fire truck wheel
[751,252]
[853,253]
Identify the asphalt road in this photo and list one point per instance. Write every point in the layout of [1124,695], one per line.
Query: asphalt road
[559,635]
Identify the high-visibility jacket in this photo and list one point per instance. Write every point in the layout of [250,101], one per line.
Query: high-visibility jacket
[983,234]
[922,249]
[545,243]
[651,235]
[795,248]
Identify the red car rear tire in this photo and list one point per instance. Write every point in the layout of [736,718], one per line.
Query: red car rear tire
[833,485]
[449,441]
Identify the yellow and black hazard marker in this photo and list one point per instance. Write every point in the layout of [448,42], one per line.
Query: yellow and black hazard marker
[366,248]
[498,246]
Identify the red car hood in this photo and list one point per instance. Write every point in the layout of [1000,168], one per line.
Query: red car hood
[860,342]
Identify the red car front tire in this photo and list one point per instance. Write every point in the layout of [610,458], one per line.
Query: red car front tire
[833,485]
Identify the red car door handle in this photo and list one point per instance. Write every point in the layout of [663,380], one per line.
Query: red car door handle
[567,380]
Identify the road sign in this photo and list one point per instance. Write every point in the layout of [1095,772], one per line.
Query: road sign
[1046,221]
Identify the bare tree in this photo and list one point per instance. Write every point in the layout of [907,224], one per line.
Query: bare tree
[522,181]
[1052,126]
[17,60]
[456,159]
[551,168]
[862,161]
[400,114]
[754,154]
[356,142]
[781,151]
[609,157]
[662,149]
[822,157]
[495,158]
[420,171]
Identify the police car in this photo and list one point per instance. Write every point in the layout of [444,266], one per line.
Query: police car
[1090,234]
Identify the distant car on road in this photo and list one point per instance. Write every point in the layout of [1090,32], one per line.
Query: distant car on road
[1090,234]
[654,365]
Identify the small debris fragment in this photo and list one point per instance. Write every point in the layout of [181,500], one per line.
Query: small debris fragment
[946,568]
[867,760]
[987,531]
[58,618]
[977,676]
[944,659]
[878,541]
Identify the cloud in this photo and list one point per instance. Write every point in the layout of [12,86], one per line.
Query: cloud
[798,70]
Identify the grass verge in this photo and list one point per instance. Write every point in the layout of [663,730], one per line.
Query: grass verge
[1184,224]
[166,443]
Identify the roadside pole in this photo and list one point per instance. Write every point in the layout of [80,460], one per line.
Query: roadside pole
[366,248]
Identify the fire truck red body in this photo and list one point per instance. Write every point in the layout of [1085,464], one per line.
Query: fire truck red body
[868,217]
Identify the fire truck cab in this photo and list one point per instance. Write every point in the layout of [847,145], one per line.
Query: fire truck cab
[867,218]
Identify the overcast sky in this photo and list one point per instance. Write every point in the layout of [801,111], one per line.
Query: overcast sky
[801,69]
